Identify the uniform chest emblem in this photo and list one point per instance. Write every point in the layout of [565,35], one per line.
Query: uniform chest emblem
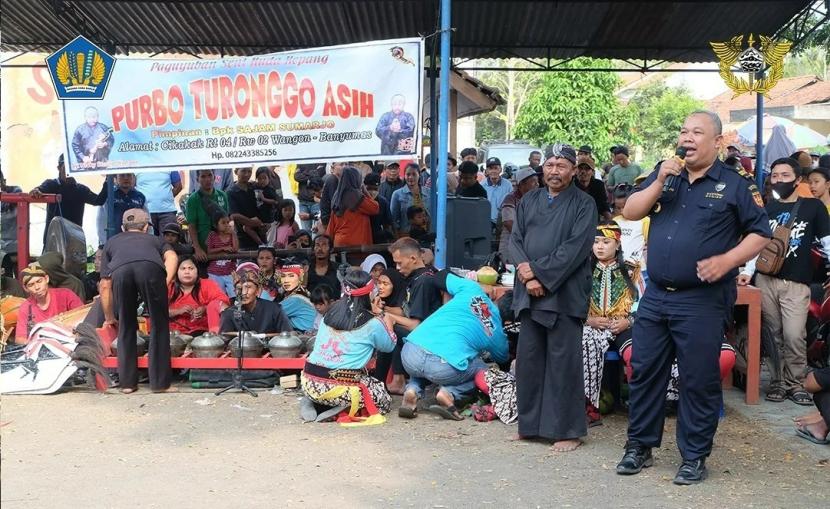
[720,186]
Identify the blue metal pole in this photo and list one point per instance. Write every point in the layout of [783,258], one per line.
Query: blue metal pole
[112,221]
[443,137]
[759,138]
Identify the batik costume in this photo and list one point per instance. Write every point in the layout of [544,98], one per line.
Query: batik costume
[611,297]
[335,373]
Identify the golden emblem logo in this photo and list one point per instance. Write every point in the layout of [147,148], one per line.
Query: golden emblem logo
[81,72]
[751,61]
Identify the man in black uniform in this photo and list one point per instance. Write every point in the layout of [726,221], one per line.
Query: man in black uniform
[132,265]
[695,248]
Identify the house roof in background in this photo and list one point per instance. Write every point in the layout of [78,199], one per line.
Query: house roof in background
[797,91]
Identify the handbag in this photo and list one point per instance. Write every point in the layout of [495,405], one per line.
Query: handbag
[772,256]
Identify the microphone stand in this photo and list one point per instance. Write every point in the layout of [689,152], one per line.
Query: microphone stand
[237,380]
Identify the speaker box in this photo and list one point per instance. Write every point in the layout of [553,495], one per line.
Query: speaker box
[469,232]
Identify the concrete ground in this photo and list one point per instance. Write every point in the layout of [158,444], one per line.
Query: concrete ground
[192,449]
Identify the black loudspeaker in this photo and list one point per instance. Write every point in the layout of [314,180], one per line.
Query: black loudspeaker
[469,232]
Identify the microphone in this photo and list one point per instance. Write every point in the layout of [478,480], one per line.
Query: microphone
[671,182]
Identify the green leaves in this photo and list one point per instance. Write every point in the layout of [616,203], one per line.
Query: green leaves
[575,107]
[657,113]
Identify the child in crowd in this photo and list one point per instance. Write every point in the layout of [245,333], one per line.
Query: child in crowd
[286,225]
[418,225]
[615,290]
[222,240]
[322,297]
[266,203]
[634,233]
[300,240]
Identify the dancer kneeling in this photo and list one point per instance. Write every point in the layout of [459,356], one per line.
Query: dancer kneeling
[335,374]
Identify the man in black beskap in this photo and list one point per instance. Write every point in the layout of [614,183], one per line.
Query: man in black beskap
[785,296]
[595,188]
[74,197]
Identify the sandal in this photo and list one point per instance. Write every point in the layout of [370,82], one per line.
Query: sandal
[450,412]
[776,395]
[800,397]
[807,435]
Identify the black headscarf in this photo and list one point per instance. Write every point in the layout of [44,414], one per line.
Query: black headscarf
[395,300]
[348,194]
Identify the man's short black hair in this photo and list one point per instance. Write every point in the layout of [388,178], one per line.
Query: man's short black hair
[789,161]
[468,168]
[620,149]
[469,152]
[371,179]
[412,211]
[321,294]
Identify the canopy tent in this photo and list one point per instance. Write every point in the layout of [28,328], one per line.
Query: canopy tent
[800,136]
[670,31]
[650,32]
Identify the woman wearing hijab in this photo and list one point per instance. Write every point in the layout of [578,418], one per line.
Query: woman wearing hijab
[351,207]
[391,294]
[374,265]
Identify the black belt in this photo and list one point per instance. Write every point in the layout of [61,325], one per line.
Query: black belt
[339,374]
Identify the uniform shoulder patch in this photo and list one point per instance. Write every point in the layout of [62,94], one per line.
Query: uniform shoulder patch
[743,173]
[756,196]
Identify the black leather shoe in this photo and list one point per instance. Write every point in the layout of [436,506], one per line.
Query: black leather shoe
[636,458]
[691,472]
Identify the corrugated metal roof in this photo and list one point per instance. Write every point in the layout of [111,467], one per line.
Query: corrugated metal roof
[673,31]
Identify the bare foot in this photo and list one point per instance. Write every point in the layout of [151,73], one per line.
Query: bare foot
[410,400]
[566,445]
[817,429]
[446,401]
[128,390]
[397,385]
[810,418]
[169,389]
[517,437]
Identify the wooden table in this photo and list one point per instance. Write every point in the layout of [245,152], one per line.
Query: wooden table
[749,296]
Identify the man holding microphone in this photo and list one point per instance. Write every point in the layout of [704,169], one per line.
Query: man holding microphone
[705,223]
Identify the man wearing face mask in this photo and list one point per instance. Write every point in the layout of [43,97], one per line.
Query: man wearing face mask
[707,222]
[786,295]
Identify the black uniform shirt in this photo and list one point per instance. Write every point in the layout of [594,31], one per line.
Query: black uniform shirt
[474,191]
[700,220]
[330,279]
[129,247]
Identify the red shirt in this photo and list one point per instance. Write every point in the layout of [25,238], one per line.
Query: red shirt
[219,267]
[353,228]
[209,292]
[60,300]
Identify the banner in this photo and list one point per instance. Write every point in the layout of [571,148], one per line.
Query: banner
[342,103]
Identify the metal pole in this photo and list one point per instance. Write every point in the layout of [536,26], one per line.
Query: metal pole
[759,138]
[112,221]
[443,137]
[433,136]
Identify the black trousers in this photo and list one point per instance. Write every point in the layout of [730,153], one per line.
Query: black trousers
[689,325]
[392,359]
[147,279]
[550,390]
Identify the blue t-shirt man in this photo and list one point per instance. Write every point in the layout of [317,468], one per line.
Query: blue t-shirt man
[463,328]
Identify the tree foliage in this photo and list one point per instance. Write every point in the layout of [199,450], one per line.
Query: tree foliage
[657,112]
[574,107]
[514,87]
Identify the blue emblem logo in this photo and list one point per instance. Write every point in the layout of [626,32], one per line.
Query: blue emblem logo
[80,70]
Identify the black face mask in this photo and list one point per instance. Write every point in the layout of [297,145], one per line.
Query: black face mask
[784,189]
